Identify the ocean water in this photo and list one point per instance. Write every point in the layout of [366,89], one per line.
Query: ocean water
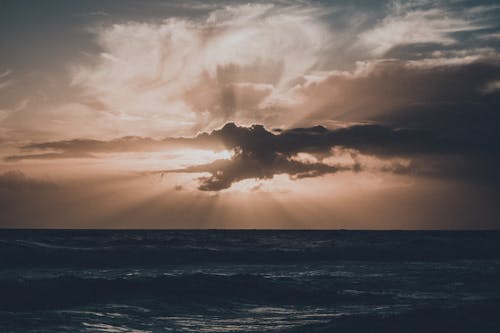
[249,281]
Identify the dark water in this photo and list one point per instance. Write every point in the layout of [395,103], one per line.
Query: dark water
[249,281]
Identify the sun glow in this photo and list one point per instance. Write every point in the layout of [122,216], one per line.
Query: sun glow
[173,159]
[189,157]
[247,185]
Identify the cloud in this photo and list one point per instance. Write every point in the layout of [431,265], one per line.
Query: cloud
[405,25]
[209,64]
[422,93]
[5,73]
[374,139]
[89,148]
[5,81]
[492,87]
[491,36]
[243,166]
[197,72]
[420,79]
[260,154]
[255,138]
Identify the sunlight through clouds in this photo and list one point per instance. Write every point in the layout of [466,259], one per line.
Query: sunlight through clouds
[279,112]
[240,56]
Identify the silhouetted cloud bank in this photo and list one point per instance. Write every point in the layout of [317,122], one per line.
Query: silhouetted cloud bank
[261,154]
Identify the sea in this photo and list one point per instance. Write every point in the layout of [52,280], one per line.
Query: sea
[249,281]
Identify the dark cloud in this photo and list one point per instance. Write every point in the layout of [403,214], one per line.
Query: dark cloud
[427,93]
[87,148]
[255,139]
[433,111]
[234,90]
[246,165]
[46,156]
[370,139]
[260,154]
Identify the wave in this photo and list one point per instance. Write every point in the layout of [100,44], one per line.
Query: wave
[158,248]
[483,317]
[63,291]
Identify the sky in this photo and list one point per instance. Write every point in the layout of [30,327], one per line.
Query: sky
[227,114]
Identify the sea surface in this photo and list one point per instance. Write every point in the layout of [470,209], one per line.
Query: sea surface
[249,281]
